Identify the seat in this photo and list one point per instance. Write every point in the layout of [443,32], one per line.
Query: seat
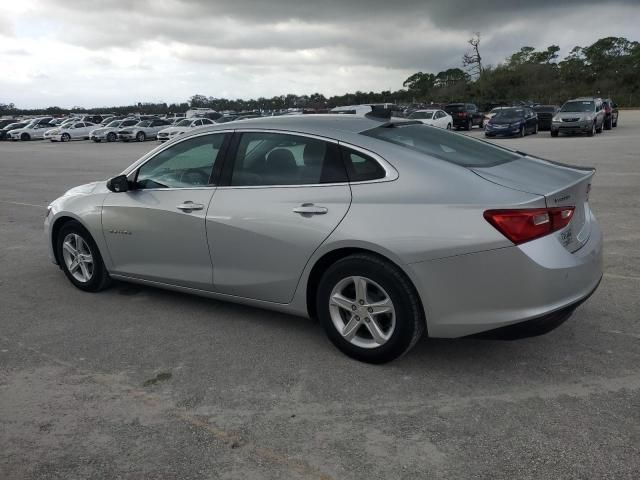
[281,168]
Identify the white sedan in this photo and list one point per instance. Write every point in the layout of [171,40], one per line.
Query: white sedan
[73,131]
[33,131]
[182,126]
[435,117]
[146,129]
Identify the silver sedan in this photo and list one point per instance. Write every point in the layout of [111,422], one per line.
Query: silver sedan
[383,230]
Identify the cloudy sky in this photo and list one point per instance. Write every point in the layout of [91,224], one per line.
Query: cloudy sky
[100,53]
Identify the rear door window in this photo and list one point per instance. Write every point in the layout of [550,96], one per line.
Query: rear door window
[272,159]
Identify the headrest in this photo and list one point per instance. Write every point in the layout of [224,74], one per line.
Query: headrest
[314,152]
[281,160]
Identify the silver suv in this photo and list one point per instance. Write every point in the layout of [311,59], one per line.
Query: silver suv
[580,115]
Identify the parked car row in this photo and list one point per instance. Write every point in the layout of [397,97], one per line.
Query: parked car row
[584,115]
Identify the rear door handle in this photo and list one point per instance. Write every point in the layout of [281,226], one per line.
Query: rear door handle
[189,206]
[310,209]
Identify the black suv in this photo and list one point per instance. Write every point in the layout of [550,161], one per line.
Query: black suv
[465,115]
[545,114]
[610,113]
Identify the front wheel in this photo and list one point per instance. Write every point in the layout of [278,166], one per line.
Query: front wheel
[592,131]
[80,259]
[369,309]
[140,137]
[25,137]
[65,137]
[522,132]
[554,133]
[448,126]
[111,137]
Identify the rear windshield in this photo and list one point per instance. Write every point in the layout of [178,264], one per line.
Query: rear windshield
[454,108]
[421,115]
[452,147]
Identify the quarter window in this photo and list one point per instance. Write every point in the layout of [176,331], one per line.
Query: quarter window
[362,168]
[185,164]
[281,159]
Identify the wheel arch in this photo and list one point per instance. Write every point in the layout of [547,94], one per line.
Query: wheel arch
[57,225]
[332,256]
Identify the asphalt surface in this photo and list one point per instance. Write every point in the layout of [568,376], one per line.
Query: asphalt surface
[137,382]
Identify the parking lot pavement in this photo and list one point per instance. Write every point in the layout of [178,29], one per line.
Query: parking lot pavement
[137,382]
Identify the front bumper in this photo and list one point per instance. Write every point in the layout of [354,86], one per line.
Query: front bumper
[126,136]
[468,294]
[501,132]
[571,127]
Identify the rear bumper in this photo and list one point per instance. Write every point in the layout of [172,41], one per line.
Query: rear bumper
[468,294]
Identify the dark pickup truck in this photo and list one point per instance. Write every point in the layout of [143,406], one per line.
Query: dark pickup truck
[465,115]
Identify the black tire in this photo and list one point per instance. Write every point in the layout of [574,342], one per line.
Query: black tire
[140,137]
[448,126]
[96,140]
[535,129]
[409,318]
[592,131]
[481,125]
[523,131]
[111,137]
[25,137]
[599,130]
[65,137]
[554,133]
[608,124]
[469,125]
[100,278]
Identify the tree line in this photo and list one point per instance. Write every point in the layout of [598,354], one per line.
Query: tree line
[610,67]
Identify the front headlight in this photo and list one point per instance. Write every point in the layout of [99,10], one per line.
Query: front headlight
[556,120]
[515,125]
[588,118]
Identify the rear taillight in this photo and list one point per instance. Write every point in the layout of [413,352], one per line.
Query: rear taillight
[462,114]
[523,225]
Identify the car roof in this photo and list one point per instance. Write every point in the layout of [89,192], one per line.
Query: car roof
[317,124]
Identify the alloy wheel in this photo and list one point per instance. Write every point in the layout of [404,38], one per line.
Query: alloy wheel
[78,258]
[362,312]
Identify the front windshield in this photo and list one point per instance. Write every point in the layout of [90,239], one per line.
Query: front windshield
[421,115]
[115,123]
[510,114]
[184,123]
[582,106]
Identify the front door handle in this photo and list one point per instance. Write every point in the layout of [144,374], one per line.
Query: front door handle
[310,209]
[189,206]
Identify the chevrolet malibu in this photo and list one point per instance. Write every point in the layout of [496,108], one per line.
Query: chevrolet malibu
[382,230]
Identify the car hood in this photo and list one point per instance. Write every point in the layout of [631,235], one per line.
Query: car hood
[505,121]
[88,188]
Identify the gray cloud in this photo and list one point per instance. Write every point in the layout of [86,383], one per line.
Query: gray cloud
[287,45]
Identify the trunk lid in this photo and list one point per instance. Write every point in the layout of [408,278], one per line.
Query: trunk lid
[561,185]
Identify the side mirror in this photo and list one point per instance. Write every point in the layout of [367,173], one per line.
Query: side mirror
[118,184]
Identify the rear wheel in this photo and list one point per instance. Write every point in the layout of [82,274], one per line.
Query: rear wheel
[80,259]
[140,137]
[369,309]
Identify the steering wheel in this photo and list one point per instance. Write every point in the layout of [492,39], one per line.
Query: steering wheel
[194,177]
